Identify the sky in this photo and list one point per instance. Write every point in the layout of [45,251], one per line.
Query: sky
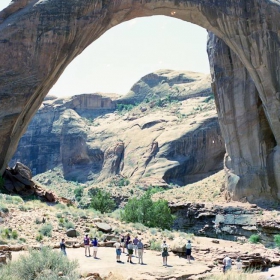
[131,50]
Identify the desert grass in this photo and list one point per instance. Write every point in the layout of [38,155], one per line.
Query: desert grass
[234,275]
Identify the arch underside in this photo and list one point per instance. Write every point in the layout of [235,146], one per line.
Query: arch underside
[38,39]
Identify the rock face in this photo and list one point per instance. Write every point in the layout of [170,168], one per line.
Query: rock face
[231,222]
[171,141]
[251,157]
[40,38]
[18,180]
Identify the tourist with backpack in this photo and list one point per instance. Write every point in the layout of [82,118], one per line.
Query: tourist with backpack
[94,244]
[87,246]
[164,253]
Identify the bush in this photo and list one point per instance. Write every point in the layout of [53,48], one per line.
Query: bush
[14,234]
[78,192]
[6,233]
[69,225]
[46,230]
[39,237]
[3,208]
[147,212]
[102,202]
[277,240]
[254,238]
[155,246]
[40,265]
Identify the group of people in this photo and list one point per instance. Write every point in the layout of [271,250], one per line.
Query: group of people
[227,263]
[125,243]
[136,245]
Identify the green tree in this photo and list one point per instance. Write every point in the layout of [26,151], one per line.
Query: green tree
[144,210]
[102,201]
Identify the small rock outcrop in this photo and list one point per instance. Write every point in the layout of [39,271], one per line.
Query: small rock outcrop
[18,180]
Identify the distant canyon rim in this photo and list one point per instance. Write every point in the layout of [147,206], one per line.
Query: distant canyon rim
[38,39]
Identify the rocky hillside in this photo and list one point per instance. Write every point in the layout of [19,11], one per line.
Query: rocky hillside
[164,131]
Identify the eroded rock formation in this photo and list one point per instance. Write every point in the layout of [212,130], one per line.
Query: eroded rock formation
[39,39]
[176,139]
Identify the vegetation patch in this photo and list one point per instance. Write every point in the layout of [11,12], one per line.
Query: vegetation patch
[145,211]
[102,201]
[40,265]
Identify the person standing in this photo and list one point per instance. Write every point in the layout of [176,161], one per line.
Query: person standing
[117,245]
[189,250]
[164,253]
[135,242]
[140,248]
[127,241]
[94,243]
[130,251]
[122,242]
[238,264]
[63,247]
[87,246]
[227,263]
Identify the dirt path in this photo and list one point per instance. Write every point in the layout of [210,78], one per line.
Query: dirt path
[152,269]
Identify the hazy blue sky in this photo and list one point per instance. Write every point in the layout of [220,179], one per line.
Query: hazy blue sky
[131,50]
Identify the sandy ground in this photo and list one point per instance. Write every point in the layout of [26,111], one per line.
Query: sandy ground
[152,268]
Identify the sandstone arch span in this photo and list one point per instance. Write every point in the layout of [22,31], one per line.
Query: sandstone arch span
[39,38]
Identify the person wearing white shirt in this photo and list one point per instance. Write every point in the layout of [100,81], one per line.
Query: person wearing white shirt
[189,250]
[164,253]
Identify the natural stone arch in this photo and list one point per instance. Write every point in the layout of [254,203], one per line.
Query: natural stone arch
[39,38]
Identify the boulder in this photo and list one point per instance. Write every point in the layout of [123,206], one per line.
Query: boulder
[71,232]
[104,227]
[178,246]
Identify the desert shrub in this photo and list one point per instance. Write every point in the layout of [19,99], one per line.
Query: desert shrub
[22,240]
[102,201]
[69,225]
[155,245]
[59,215]
[60,206]
[116,214]
[23,208]
[39,237]
[46,230]
[6,233]
[277,240]
[139,226]
[254,238]
[124,107]
[144,210]
[14,234]
[17,199]
[40,265]
[153,231]
[78,192]
[38,221]
[233,275]
[4,208]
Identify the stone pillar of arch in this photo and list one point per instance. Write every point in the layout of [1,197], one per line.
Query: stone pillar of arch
[38,39]
[250,143]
